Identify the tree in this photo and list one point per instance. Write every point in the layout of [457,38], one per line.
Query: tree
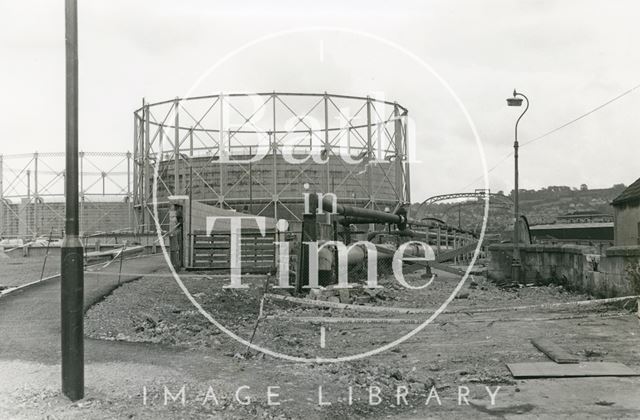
[583,187]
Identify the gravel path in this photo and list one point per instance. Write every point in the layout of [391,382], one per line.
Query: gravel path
[30,318]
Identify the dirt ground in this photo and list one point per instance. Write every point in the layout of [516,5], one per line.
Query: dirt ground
[161,345]
[460,349]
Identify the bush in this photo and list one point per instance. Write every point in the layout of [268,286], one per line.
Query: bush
[633,273]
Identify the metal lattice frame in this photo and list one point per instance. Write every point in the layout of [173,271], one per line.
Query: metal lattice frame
[188,139]
[32,192]
[422,210]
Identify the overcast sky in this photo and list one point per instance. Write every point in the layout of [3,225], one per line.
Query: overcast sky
[567,56]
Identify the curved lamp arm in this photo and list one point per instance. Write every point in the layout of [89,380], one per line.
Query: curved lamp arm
[515,95]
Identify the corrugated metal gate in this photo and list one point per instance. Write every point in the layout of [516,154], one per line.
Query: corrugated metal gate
[213,252]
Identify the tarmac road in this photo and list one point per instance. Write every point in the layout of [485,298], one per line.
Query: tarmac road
[30,317]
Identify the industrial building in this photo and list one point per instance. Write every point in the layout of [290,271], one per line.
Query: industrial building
[229,155]
[260,153]
[32,194]
[233,151]
[627,215]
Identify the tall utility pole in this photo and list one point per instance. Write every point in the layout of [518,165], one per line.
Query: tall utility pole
[72,275]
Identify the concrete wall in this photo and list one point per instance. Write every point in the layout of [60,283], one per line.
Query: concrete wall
[576,268]
[627,225]
[200,212]
[612,277]
[542,264]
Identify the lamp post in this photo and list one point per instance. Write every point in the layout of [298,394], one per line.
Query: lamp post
[71,253]
[516,100]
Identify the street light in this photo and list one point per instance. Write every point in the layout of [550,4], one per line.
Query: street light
[71,252]
[516,100]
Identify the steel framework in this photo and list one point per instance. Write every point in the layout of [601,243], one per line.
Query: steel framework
[422,210]
[32,193]
[233,150]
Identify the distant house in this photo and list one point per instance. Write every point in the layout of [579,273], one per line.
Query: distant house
[585,216]
[582,227]
[574,233]
[627,216]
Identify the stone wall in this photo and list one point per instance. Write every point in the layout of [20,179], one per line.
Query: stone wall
[575,267]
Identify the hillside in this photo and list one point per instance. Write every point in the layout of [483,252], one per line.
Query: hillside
[539,206]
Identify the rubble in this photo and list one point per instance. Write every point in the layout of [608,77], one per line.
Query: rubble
[154,311]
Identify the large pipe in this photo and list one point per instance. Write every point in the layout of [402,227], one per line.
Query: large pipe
[356,254]
[360,213]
